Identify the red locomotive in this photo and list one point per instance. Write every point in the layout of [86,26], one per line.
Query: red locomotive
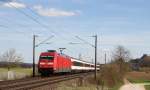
[52,62]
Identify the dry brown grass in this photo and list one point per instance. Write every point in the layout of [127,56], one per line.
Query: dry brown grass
[138,75]
[145,69]
[110,75]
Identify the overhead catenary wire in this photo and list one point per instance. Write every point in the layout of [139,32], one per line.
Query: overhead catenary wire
[14,24]
[37,21]
[3,26]
[6,26]
[32,18]
[84,41]
[44,41]
[30,9]
[56,33]
[27,15]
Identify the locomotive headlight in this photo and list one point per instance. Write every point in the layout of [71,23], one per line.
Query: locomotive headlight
[42,63]
[49,63]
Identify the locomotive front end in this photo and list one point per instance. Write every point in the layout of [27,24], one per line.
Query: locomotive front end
[46,63]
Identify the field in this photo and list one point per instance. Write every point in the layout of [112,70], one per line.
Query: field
[21,70]
[139,77]
[16,73]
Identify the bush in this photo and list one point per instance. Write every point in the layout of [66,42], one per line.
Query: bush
[110,75]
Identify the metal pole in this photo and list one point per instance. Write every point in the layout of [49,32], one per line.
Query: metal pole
[95,56]
[105,58]
[33,55]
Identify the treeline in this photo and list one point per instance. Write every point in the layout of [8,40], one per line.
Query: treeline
[14,64]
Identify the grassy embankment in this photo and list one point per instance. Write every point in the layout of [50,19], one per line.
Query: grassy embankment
[109,78]
[86,86]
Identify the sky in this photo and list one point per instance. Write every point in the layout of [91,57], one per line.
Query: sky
[115,22]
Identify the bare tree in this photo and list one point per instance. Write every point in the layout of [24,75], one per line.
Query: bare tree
[11,58]
[121,56]
[121,53]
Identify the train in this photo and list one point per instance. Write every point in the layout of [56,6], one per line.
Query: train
[52,62]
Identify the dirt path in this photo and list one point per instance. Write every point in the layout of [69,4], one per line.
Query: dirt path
[129,86]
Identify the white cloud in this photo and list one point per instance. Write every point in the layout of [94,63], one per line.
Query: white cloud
[14,4]
[54,12]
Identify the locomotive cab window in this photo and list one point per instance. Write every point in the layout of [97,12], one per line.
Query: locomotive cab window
[47,57]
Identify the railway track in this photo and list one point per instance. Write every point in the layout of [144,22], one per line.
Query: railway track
[30,83]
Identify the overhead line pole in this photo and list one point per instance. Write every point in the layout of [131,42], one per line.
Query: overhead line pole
[95,47]
[33,72]
[95,56]
[34,46]
[105,58]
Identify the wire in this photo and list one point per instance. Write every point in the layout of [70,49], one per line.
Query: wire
[32,18]
[41,18]
[85,41]
[8,27]
[3,26]
[35,20]
[44,41]
[44,26]
[30,9]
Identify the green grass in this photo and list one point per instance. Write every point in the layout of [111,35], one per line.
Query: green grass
[76,88]
[139,81]
[18,70]
[147,87]
[3,70]
[23,70]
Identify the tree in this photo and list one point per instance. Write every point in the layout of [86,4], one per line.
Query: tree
[121,56]
[121,53]
[11,58]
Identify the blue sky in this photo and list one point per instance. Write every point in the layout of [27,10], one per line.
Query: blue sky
[116,22]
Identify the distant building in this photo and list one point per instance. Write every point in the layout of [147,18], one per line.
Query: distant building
[135,64]
[144,61]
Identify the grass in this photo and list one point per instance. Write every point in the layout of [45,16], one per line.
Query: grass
[18,70]
[76,88]
[89,87]
[3,69]
[139,77]
[139,80]
[23,70]
[18,73]
[147,87]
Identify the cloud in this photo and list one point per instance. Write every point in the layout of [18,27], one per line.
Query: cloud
[52,12]
[15,4]
[6,0]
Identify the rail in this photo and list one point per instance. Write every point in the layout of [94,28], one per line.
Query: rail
[31,83]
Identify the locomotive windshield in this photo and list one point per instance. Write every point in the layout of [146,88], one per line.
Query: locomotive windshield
[46,57]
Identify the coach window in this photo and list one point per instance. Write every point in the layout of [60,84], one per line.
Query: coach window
[77,64]
[87,65]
